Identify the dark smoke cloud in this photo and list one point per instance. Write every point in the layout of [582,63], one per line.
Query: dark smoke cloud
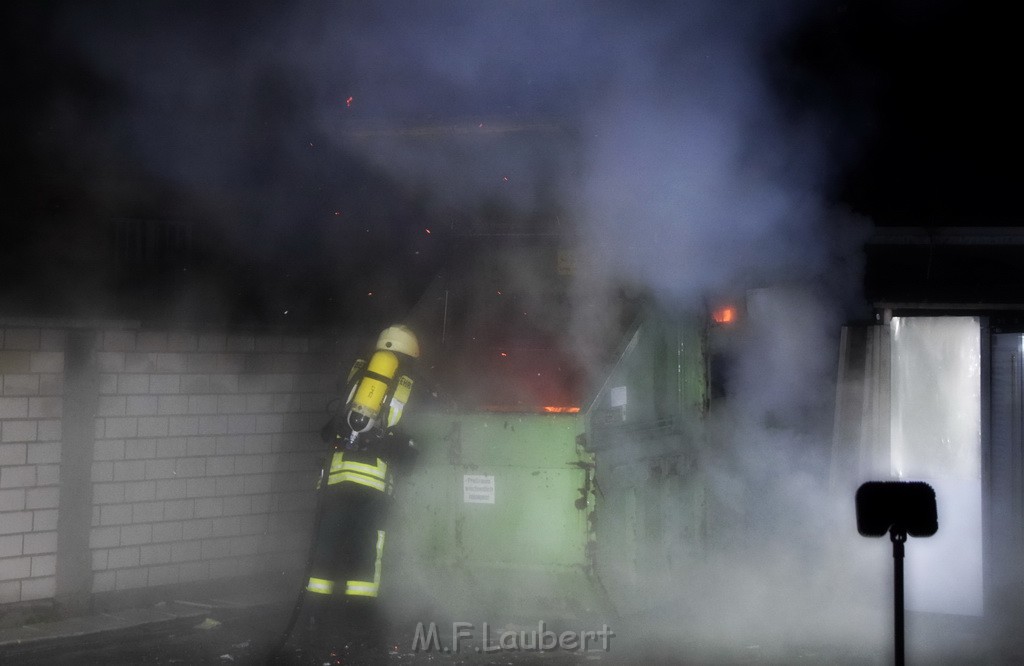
[653,124]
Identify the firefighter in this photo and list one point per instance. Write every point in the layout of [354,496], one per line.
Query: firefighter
[357,485]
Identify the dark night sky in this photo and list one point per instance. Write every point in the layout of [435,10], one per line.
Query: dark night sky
[229,113]
[932,83]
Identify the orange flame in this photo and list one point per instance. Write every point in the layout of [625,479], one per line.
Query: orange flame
[724,315]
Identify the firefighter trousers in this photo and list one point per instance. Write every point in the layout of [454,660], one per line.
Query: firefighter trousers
[349,545]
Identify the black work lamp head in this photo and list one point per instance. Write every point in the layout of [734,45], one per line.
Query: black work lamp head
[900,507]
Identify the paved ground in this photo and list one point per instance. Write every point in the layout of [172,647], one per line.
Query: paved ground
[188,631]
[247,630]
[230,631]
[222,636]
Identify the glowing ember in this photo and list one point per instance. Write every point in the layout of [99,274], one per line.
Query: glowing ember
[348,102]
[427,230]
[504,354]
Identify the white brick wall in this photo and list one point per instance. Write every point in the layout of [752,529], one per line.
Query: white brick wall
[194,434]
[202,462]
[31,404]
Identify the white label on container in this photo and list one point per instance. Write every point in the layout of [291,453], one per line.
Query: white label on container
[618,396]
[477,489]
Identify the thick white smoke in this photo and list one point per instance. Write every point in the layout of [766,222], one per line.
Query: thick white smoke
[683,176]
[651,127]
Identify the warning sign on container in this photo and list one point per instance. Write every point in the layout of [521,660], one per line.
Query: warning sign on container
[477,489]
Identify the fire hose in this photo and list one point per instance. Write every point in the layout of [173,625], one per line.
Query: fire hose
[318,513]
[300,600]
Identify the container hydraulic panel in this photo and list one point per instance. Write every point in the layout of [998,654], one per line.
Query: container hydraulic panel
[496,521]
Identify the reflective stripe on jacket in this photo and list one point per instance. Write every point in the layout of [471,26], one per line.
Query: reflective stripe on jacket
[350,471]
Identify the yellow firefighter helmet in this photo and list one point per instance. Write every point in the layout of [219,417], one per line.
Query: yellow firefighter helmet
[399,339]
